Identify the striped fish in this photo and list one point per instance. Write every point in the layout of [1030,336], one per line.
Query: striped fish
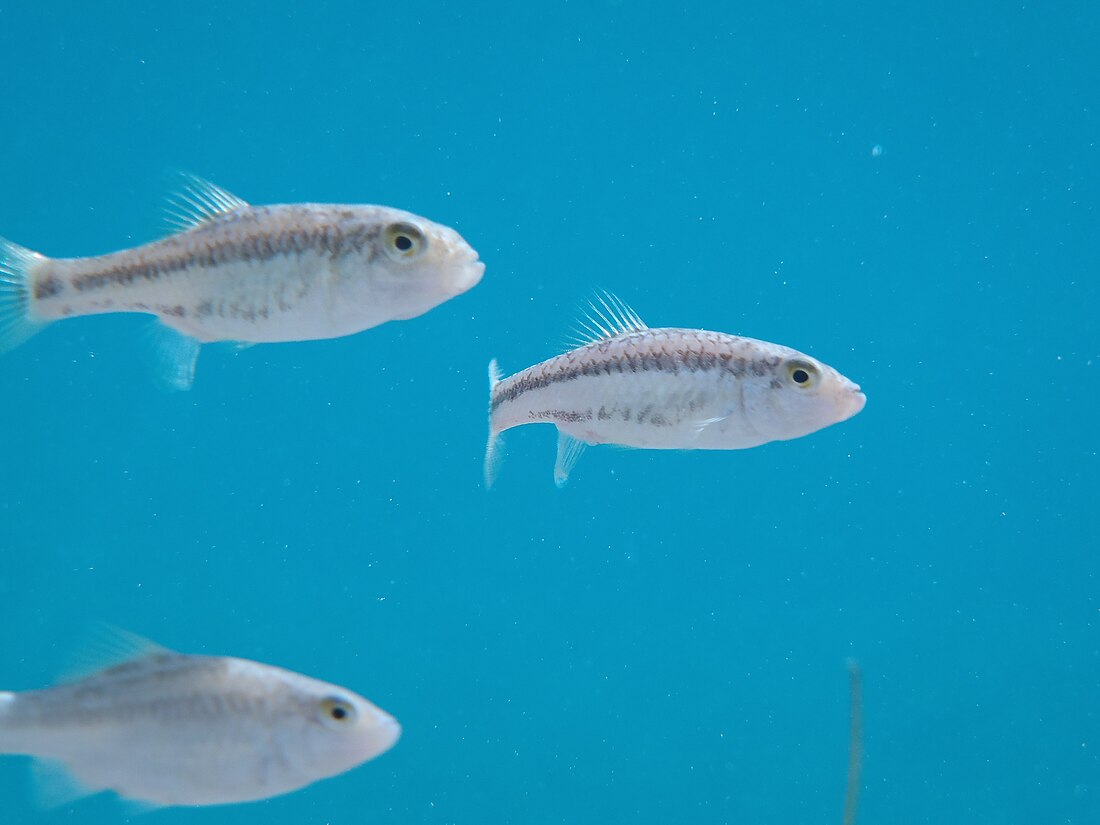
[164,728]
[666,389]
[247,274]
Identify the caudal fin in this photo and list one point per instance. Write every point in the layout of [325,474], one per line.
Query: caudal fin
[7,699]
[493,453]
[16,321]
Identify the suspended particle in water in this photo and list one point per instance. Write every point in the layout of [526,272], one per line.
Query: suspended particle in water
[876,150]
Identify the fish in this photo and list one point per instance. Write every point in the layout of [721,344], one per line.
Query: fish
[665,389]
[161,728]
[246,275]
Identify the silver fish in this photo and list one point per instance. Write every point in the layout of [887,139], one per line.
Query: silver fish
[247,274]
[666,389]
[164,728]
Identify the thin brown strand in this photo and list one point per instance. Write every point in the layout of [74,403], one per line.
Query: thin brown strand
[855,743]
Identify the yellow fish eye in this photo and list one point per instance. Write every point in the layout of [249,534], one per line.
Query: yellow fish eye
[403,241]
[803,374]
[336,713]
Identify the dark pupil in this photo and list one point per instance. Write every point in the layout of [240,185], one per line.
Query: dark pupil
[338,713]
[800,376]
[403,243]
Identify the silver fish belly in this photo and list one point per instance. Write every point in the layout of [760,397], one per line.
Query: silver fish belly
[174,729]
[251,274]
[671,389]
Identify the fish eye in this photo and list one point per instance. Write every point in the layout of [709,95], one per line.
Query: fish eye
[803,374]
[337,713]
[403,241]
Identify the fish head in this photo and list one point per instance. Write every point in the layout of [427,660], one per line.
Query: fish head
[797,395]
[410,265]
[336,730]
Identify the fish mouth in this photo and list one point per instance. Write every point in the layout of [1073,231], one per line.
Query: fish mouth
[857,401]
[470,271]
[386,734]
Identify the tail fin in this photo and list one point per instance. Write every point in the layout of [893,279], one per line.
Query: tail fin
[6,699]
[16,321]
[493,454]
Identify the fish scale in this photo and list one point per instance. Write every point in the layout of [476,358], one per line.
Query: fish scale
[167,728]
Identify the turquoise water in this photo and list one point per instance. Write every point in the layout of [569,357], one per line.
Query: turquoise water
[906,191]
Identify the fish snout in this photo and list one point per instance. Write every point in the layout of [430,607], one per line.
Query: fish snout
[382,735]
[856,400]
[468,269]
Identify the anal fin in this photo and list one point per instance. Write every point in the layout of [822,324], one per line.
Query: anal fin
[173,357]
[55,786]
[569,451]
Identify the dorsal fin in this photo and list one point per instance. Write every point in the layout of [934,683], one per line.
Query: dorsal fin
[105,646]
[197,201]
[606,317]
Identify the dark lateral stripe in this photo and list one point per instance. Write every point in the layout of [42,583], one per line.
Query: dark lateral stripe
[616,364]
[47,287]
[192,250]
[561,415]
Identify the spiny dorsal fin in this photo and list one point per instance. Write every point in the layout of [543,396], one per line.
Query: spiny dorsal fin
[197,201]
[105,646]
[607,316]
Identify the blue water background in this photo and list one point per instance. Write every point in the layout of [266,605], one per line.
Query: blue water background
[665,639]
